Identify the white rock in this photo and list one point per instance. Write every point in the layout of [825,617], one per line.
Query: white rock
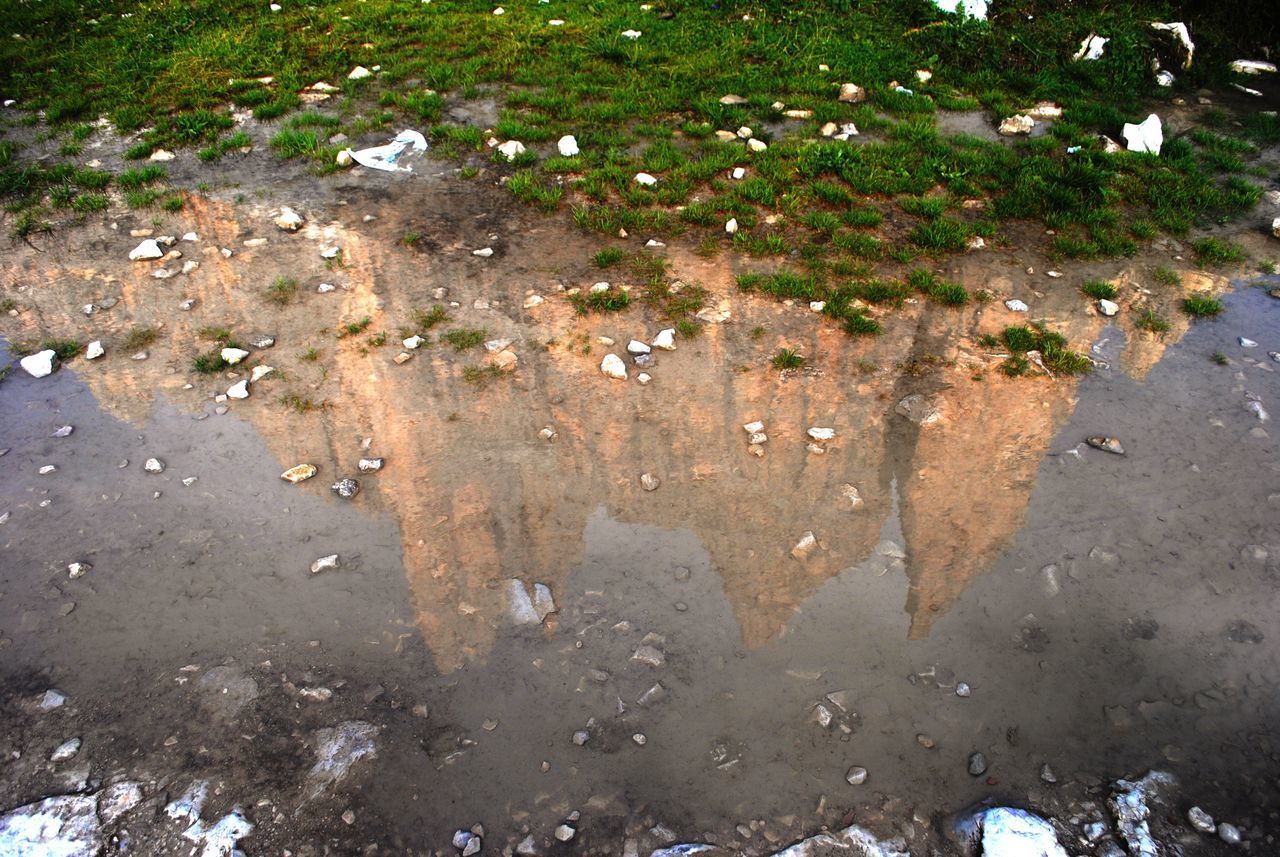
[51,699]
[1246,342]
[1201,820]
[565,832]
[753,427]
[532,301]
[1018,833]
[153,465]
[568,146]
[511,149]
[613,367]
[829,129]
[847,130]
[803,548]
[239,390]
[413,342]
[644,378]
[1017,124]
[325,288]
[40,364]
[1108,308]
[358,73]
[162,155]
[343,158]
[645,179]
[146,251]
[556,22]
[756,145]
[817,306]
[325,563]
[493,346]
[190,236]
[1144,137]
[78,569]
[289,220]
[597,288]
[65,750]
[822,434]
[1275,227]
[635,346]
[654,242]
[64,826]
[189,266]
[852,93]
[1016,305]
[739,173]
[745,132]
[850,494]
[732,99]
[234,355]
[666,339]
[631,34]
[731,226]
[483,252]
[326,252]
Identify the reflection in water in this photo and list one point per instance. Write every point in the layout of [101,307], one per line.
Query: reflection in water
[480,498]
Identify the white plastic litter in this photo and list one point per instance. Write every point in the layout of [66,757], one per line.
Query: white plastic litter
[1252,67]
[971,8]
[386,157]
[1091,48]
[1183,36]
[1146,136]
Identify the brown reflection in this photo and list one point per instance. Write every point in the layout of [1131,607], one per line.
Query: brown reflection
[480,498]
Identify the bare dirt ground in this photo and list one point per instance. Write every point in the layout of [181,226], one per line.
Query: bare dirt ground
[1109,614]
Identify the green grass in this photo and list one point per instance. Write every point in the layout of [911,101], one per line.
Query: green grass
[1217,252]
[608,257]
[209,362]
[424,320]
[1202,306]
[463,338]
[1100,289]
[787,358]
[282,291]
[1166,277]
[140,337]
[609,300]
[1052,348]
[481,376]
[354,328]
[1152,321]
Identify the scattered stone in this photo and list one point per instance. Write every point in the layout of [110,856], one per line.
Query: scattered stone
[962,689]
[1047,774]
[65,826]
[1229,833]
[1201,820]
[547,433]
[850,493]
[645,179]
[1130,803]
[51,699]
[239,390]
[325,563]
[483,252]
[805,547]
[613,367]
[852,93]
[358,73]
[289,220]
[402,358]
[731,225]
[78,569]
[732,99]
[65,750]
[565,832]
[40,364]
[649,482]
[1247,343]
[153,465]
[1015,305]
[644,378]
[234,355]
[581,737]
[1008,832]
[567,146]
[529,611]
[822,434]
[532,301]
[649,655]
[977,765]
[738,174]
[146,251]
[1016,124]
[299,473]
[1108,308]
[757,145]
[925,741]
[260,372]
[345,488]
[856,776]
[1106,444]
[369,465]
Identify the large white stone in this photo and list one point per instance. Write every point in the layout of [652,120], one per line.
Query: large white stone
[239,390]
[511,149]
[666,339]
[568,146]
[145,251]
[234,355]
[289,220]
[645,179]
[613,367]
[39,364]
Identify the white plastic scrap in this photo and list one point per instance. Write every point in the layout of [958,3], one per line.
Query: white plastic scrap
[1091,48]
[386,157]
[1252,67]
[1179,30]
[1146,136]
[970,8]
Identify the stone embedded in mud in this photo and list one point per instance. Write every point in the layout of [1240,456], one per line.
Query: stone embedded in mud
[1016,124]
[64,431]
[146,251]
[262,340]
[917,409]
[78,569]
[856,776]
[1245,342]
[1008,832]
[738,174]
[65,750]
[644,378]
[153,465]
[565,832]
[850,494]
[40,364]
[1229,833]
[805,547]
[567,146]
[94,351]
[288,219]
[649,655]
[851,93]
[613,367]
[345,488]
[547,433]
[977,764]
[1106,444]
[1201,820]
[505,361]
[338,749]
[581,737]
[532,301]
[962,690]
[234,355]
[117,799]
[325,563]
[1131,804]
[526,610]
[493,346]
[299,473]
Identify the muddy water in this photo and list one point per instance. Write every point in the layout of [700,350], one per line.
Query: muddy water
[1100,608]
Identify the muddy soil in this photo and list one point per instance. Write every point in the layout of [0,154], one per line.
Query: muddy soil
[1108,614]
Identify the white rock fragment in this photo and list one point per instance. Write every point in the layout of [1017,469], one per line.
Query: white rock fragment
[739,173]
[40,364]
[330,252]
[78,569]
[325,563]
[51,699]
[325,288]
[645,179]
[259,372]
[511,149]
[613,367]
[635,346]
[631,34]
[1016,124]
[153,465]
[161,155]
[644,378]
[337,750]
[1108,308]
[65,750]
[289,220]
[146,251]
[822,434]
[567,146]
[731,226]
[1252,67]
[1183,35]
[234,355]
[666,339]
[1245,342]
[483,252]
[852,93]
[851,496]
[413,342]
[529,610]
[239,390]
[757,145]
[805,547]
[359,73]
[1015,305]
[1146,136]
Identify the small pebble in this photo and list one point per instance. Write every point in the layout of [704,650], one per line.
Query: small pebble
[977,764]
[962,689]
[856,776]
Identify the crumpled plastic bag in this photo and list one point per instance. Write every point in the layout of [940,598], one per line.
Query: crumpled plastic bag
[387,157]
